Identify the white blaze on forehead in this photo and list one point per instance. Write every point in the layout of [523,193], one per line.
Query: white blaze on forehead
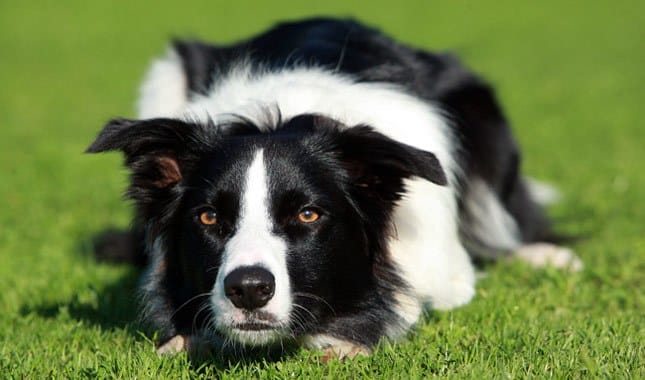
[254,243]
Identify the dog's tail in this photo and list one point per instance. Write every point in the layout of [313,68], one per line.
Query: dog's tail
[545,194]
[541,192]
[120,246]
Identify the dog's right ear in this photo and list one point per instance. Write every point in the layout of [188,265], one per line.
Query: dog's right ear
[159,152]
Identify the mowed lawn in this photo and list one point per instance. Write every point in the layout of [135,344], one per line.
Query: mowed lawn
[571,77]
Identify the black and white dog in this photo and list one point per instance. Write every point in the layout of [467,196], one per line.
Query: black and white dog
[319,183]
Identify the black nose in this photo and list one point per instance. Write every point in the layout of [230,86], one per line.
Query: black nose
[249,287]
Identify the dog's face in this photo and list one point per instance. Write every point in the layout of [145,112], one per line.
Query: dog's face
[271,215]
[280,229]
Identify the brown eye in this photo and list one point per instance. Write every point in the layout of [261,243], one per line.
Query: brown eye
[208,217]
[308,216]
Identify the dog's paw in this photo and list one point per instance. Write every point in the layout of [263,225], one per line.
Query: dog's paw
[175,345]
[344,351]
[457,291]
[335,348]
[196,346]
[541,255]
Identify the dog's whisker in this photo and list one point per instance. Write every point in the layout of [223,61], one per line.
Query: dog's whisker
[205,306]
[316,298]
[313,317]
[189,301]
[299,321]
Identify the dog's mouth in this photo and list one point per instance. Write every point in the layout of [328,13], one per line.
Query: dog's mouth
[251,327]
[254,326]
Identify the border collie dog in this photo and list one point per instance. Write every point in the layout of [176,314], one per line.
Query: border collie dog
[319,183]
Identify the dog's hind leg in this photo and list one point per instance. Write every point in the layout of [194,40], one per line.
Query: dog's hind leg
[427,250]
[514,226]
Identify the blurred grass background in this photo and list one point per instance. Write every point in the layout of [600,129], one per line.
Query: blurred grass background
[571,78]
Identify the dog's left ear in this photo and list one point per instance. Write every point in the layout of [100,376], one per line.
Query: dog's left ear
[378,163]
[157,151]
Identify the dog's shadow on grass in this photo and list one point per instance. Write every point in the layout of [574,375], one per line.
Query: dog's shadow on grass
[114,306]
[111,306]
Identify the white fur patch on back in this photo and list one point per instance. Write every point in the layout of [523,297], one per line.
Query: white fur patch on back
[383,106]
[163,92]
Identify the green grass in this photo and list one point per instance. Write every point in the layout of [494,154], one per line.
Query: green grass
[571,77]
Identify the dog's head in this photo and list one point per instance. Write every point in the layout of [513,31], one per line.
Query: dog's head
[283,229]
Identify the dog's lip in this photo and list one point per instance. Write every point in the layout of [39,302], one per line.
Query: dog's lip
[254,326]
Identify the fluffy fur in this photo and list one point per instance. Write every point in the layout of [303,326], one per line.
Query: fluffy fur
[403,157]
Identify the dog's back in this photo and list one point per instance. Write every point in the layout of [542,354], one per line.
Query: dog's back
[496,209]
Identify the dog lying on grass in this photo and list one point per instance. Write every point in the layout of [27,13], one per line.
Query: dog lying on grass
[318,183]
